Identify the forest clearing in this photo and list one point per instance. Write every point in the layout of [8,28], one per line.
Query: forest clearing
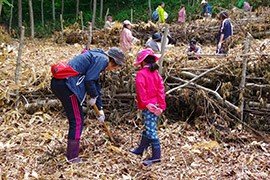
[216,125]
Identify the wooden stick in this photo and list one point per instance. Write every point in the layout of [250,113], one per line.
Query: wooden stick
[163,46]
[106,127]
[243,80]
[18,63]
[131,15]
[107,13]
[81,17]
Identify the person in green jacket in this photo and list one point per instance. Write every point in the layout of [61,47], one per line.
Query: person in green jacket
[162,15]
[240,4]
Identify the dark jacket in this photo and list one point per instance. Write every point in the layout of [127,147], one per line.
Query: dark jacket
[89,64]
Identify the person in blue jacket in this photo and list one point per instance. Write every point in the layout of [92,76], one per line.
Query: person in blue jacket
[207,9]
[225,32]
[72,91]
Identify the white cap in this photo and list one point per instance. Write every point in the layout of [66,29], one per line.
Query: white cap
[203,2]
[127,22]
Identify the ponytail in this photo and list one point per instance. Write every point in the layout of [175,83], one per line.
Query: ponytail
[150,60]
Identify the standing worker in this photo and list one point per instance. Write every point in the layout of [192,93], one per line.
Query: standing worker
[72,82]
[182,15]
[207,9]
[225,33]
[150,93]
[126,37]
[162,15]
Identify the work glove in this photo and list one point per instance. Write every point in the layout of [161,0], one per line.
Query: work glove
[101,117]
[92,101]
[158,111]
[219,45]
[151,107]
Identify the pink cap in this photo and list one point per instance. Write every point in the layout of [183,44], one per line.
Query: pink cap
[143,54]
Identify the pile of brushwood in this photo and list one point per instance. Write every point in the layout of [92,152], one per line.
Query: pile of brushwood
[204,30]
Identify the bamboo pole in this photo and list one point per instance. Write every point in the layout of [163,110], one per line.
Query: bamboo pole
[62,26]
[131,15]
[106,15]
[163,46]
[94,13]
[81,17]
[53,12]
[150,9]
[243,80]
[31,19]
[11,16]
[89,35]
[101,9]
[42,12]
[18,63]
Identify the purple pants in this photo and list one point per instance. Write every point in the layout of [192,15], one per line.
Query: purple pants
[71,106]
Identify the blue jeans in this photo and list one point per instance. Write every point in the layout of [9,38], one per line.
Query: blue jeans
[150,125]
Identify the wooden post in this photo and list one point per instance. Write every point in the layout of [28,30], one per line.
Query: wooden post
[53,12]
[20,13]
[77,9]
[62,6]
[243,80]
[163,47]
[131,16]
[106,15]
[42,12]
[89,35]
[150,9]
[1,4]
[81,17]
[101,9]
[11,16]
[31,18]
[18,63]
[94,14]
[62,26]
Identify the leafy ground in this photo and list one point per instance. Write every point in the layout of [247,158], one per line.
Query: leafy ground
[33,146]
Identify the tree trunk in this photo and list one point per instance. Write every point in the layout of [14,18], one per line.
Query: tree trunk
[77,8]
[150,9]
[11,17]
[20,13]
[42,12]
[62,7]
[31,18]
[101,9]
[1,4]
[53,12]
[18,63]
[94,13]
[163,46]
[243,80]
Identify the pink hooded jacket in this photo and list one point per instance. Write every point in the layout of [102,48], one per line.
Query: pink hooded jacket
[126,39]
[149,89]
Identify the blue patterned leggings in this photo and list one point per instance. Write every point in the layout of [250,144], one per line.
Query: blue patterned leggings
[150,124]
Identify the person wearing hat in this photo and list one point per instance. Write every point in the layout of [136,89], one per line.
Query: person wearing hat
[109,23]
[72,91]
[207,9]
[225,33]
[182,14]
[194,51]
[126,37]
[154,42]
[150,96]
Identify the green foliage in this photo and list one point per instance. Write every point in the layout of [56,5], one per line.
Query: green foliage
[119,9]
[5,2]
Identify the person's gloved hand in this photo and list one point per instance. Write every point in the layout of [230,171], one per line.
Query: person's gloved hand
[158,111]
[101,117]
[151,107]
[92,101]
[219,45]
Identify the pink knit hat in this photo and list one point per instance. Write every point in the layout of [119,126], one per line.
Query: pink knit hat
[143,54]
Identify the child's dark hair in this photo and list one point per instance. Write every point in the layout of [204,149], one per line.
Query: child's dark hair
[150,60]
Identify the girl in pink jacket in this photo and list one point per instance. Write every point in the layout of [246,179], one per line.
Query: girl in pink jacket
[126,37]
[151,100]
